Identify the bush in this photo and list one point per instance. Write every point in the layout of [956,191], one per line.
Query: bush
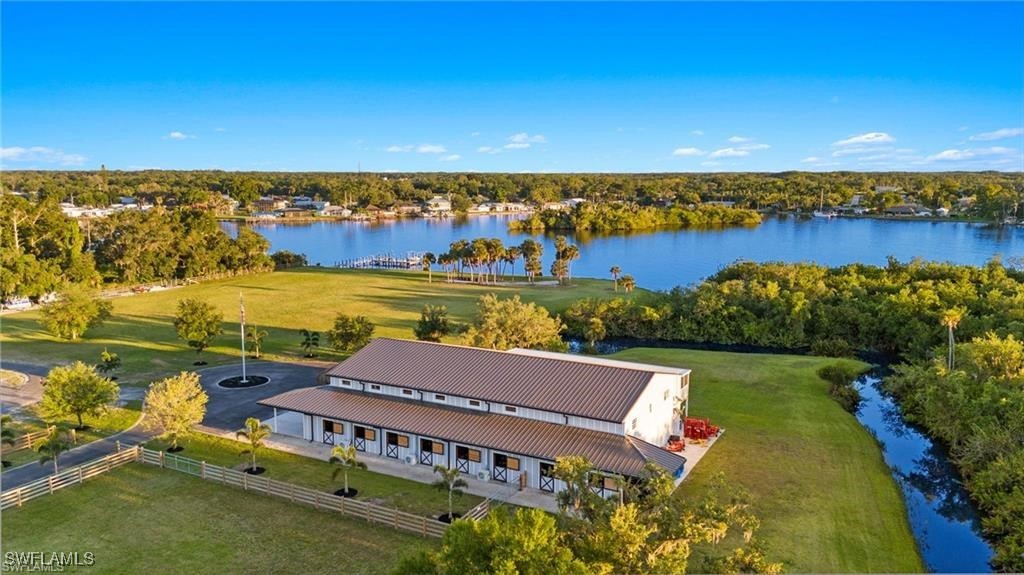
[841,377]
[833,347]
[286,259]
[350,332]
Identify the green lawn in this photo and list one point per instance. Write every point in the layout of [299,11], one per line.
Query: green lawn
[114,420]
[410,496]
[283,302]
[826,499]
[142,519]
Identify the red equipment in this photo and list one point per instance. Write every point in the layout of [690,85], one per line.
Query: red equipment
[698,428]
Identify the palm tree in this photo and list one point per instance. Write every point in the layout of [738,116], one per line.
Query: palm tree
[450,481]
[254,432]
[513,253]
[6,433]
[310,340]
[255,337]
[628,283]
[951,319]
[51,448]
[616,270]
[429,259]
[345,458]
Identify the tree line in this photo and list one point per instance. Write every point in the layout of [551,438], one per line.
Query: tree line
[621,217]
[42,249]
[998,194]
[483,260]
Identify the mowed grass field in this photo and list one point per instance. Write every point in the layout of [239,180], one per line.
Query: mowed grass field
[826,500]
[141,330]
[142,519]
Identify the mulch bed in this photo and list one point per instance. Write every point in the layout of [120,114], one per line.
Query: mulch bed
[237,383]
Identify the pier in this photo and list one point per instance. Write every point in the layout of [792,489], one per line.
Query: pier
[412,260]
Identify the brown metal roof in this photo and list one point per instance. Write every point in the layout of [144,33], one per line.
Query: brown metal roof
[563,386]
[529,437]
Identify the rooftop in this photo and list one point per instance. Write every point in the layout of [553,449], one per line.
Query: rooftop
[562,383]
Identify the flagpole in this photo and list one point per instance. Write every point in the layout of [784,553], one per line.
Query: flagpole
[241,309]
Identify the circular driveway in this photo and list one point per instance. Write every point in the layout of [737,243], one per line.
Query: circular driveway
[229,408]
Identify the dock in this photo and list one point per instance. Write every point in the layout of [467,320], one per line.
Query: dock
[412,260]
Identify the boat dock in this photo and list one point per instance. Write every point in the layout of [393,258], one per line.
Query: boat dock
[412,260]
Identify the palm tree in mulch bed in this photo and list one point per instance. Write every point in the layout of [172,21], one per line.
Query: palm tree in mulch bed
[345,458]
[55,444]
[254,433]
[451,481]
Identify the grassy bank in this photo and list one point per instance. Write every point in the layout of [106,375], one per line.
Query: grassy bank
[154,517]
[403,494]
[826,499]
[281,303]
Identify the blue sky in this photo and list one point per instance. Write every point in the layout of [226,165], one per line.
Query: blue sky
[502,87]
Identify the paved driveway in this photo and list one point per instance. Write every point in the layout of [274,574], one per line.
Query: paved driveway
[27,394]
[228,408]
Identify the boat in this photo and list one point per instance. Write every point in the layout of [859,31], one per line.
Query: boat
[820,212]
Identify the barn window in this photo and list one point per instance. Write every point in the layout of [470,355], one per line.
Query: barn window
[439,397]
[474,403]
[510,409]
[375,387]
[406,392]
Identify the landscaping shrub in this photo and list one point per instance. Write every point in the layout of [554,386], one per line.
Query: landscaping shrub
[841,378]
[832,347]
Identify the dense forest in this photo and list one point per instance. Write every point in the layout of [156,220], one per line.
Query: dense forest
[41,249]
[998,195]
[970,396]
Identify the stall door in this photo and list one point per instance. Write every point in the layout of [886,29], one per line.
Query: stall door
[547,477]
[506,468]
[333,432]
[431,452]
[396,445]
[467,459]
[363,435]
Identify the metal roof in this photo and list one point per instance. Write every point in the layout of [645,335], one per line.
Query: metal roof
[517,435]
[551,383]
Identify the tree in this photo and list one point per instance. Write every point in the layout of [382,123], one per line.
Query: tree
[509,323]
[595,331]
[560,269]
[628,283]
[345,458]
[109,361]
[75,311]
[574,471]
[451,481]
[433,323]
[429,259]
[52,446]
[7,434]
[350,332]
[254,433]
[615,271]
[76,390]
[174,406]
[198,323]
[310,341]
[255,337]
[532,267]
[950,319]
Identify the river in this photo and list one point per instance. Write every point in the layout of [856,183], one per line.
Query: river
[666,258]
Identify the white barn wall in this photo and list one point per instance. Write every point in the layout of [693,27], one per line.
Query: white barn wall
[653,412]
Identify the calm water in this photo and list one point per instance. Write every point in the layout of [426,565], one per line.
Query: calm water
[942,517]
[663,259]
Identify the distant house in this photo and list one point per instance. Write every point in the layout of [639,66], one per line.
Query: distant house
[299,201]
[573,202]
[335,211]
[557,206]
[127,201]
[942,212]
[503,416]
[292,213]
[407,209]
[437,204]
[886,189]
[901,210]
[723,203]
[268,204]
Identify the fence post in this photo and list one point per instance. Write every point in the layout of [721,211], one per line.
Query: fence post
[202,469]
[117,444]
[49,483]
[80,478]
[368,516]
[291,493]
[245,481]
[19,497]
[394,518]
[316,499]
[161,459]
[343,512]
[423,526]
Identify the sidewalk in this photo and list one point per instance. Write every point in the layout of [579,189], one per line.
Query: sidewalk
[420,473]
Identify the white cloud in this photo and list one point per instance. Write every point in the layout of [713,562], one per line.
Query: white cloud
[752,147]
[220,129]
[739,139]
[729,153]
[688,152]
[474,134]
[971,154]
[963,128]
[868,138]
[696,132]
[396,149]
[522,140]
[517,146]
[430,149]
[811,160]
[1000,134]
[450,158]
[42,155]
[488,150]
[176,135]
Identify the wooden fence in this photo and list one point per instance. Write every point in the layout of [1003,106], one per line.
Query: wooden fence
[319,499]
[370,512]
[26,441]
[66,478]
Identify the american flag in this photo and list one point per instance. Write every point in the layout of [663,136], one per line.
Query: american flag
[241,308]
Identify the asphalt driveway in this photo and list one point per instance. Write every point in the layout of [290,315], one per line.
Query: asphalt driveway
[228,408]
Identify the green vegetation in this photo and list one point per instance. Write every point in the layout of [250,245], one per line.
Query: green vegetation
[825,498]
[510,323]
[197,323]
[141,327]
[75,311]
[30,420]
[174,406]
[977,409]
[350,333]
[996,194]
[254,433]
[433,324]
[599,217]
[153,516]
[403,494]
[841,377]
[76,390]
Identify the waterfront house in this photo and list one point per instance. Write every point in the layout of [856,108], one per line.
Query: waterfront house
[437,204]
[268,204]
[503,416]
